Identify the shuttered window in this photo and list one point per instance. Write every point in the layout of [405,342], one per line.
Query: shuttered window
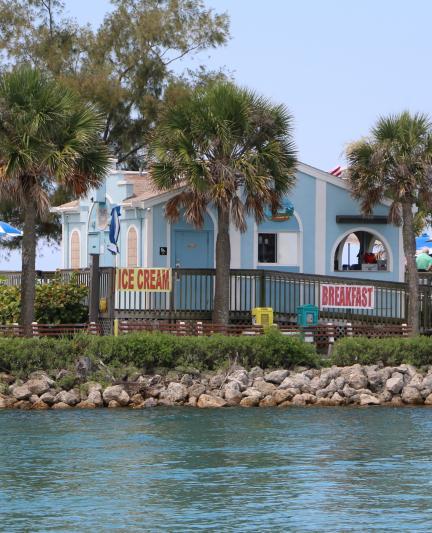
[132,248]
[75,251]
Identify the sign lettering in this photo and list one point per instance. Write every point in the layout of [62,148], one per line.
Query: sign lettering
[144,279]
[347,296]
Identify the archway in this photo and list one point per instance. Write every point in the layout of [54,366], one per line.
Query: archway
[361,250]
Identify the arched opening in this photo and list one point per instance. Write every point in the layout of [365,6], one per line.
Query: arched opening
[361,250]
[132,247]
[75,249]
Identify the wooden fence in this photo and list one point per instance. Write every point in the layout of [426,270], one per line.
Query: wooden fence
[193,293]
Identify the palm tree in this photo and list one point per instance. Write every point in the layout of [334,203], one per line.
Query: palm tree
[225,146]
[395,163]
[47,137]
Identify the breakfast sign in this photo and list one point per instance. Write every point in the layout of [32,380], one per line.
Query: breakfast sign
[144,279]
[347,296]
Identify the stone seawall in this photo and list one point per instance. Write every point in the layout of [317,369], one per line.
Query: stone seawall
[354,385]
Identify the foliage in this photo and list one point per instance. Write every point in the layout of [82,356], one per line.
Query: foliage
[395,163]
[151,350]
[224,145]
[124,66]
[55,303]
[392,351]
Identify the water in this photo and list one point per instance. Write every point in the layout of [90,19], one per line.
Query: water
[313,469]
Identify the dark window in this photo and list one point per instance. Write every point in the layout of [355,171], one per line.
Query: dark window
[267,248]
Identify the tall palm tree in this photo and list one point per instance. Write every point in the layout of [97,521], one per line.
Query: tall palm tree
[225,146]
[395,163]
[47,136]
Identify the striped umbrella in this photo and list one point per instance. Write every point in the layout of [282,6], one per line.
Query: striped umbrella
[6,230]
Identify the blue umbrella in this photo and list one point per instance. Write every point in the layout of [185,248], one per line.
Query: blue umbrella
[6,230]
[422,241]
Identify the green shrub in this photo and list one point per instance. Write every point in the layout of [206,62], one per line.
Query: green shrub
[150,350]
[55,303]
[392,351]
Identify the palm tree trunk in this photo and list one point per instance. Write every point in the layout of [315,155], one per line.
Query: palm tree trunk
[28,269]
[413,278]
[223,260]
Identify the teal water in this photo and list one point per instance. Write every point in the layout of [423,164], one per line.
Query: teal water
[313,469]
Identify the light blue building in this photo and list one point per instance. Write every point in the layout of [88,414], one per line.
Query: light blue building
[325,234]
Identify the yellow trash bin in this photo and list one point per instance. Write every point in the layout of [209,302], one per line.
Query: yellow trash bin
[262,316]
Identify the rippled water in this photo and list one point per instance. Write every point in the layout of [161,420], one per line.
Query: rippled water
[314,469]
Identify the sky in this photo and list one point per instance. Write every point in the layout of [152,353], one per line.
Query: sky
[336,64]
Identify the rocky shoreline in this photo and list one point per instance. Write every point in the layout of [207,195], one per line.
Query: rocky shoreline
[336,386]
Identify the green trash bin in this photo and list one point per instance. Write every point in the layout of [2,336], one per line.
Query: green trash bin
[307,315]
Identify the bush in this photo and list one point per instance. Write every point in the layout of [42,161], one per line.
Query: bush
[55,303]
[392,351]
[151,350]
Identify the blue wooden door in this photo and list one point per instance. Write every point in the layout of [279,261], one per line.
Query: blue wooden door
[192,249]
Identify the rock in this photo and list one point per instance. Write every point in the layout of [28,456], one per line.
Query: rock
[85,404]
[84,366]
[40,405]
[263,387]
[395,383]
[62,374]
[296,381]
[93,385]
[250,401]
[369,399]
[163,402]
[337,399]
[251,391]
[205,400]
[357,380]
[25,405]
[41,375]
[286,403]
[21,392]
[385,396]
[416,381]
[411,395]
[339,382]
[186,380]
[397,400]
[48,397]
[176,392]
[95,396]
[37,386]
[232,392]
[34,398]
[150,402]
[348,391]
[326,402]
[303,399]
[116,393]
[428,400]
[276,377]
[61,405]
[114,404]
[216,381]
[282,395]
[196,390]
[192,402]
[376,379]
[155,392]
[256,372]
[8,402]
[136,399]
[69,397]
[241,376]
[268,401]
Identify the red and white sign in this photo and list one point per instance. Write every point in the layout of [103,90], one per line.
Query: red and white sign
[347,296]
[144,279]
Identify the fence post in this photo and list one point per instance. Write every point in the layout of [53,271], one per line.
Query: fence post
[34,329]
[349,329]
[199,328]
[123,326]
[262,299]
[308,337]
[331,339]
[94,288]
[405,331]
[93,328]
[15,329]
[182,328]
[116,327]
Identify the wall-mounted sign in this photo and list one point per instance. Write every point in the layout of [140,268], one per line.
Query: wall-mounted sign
[144,279]
[284,213]
[347,296]
[163,250]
